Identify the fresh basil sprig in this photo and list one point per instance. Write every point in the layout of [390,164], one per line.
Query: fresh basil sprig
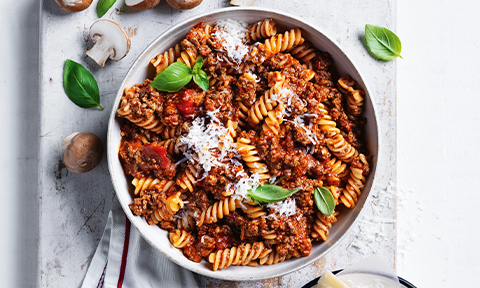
[199,76]
[80,85]
[324,200]
[270,193]
[382,43]
[103,6]
[177,75]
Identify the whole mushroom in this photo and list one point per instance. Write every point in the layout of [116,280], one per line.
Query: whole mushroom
[83,151]
[111,41]
[141,4]
[184,4]
[74,5]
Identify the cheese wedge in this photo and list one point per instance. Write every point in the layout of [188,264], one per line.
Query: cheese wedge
[328,280]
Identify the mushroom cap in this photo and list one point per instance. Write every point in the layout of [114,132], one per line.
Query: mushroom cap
[141,4]
[184,4]
[74,5]
[83,151]
[112,33]
[242,2]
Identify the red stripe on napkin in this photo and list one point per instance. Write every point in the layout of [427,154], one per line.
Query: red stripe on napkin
[124,254]
[102,278]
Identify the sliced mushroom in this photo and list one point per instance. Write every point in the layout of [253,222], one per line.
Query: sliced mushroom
[141,4]
[111,41]
[184,4]
[83,151]
[74,5]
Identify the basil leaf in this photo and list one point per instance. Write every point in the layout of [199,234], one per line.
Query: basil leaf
[80,85]
[201,79]
[173,78]
[198,65]
[103,6]
[382,43]
[324,201]
[199,76]
[269,193]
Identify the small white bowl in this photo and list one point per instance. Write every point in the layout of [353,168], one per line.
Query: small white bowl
[138,73]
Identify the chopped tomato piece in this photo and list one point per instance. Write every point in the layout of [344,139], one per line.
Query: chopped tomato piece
[186,105]
[157,153]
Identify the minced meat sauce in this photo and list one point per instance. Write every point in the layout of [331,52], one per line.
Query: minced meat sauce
[297,155]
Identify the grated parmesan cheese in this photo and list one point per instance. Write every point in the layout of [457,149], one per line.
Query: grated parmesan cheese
[246,183]
[233,34]
[300,122]
[285,208]
[202,142]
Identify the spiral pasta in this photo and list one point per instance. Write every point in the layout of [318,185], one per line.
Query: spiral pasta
[275,77]
[158,215]
[230,135]
[271,235]
[273,258]
[151,122]
[188,57]
[241,255]
[267,102]
[142,184]
[355,97]
[274,119]
[249,154]
[170,144]
[186,53]
[189,177]
[339,170]
[305,72]
[354,185]
[261,30]
[170,132]
[185,219]
[304,53]
[242,68]
[336,192]
[326,122]
[253,211]
[180,238]
[174,203]
[323,224]
[341,148]
[162,61]
[283,42]
[242,113]
[217,210]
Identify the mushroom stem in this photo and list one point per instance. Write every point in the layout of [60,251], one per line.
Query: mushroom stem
[68,139]
[101,51]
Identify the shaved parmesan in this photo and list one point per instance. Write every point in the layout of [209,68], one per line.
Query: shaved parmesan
[202,142]
[285,208]
[300,122]
[246,183]
[233,34]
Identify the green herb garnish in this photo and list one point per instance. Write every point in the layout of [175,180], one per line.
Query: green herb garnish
[103,6]
[382,43]
[270,193]
[80,85]
[177,75]
[324,200]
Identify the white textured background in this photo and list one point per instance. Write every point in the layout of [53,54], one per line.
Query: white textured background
[438,130]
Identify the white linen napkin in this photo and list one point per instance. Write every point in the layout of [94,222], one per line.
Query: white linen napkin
[123,259]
